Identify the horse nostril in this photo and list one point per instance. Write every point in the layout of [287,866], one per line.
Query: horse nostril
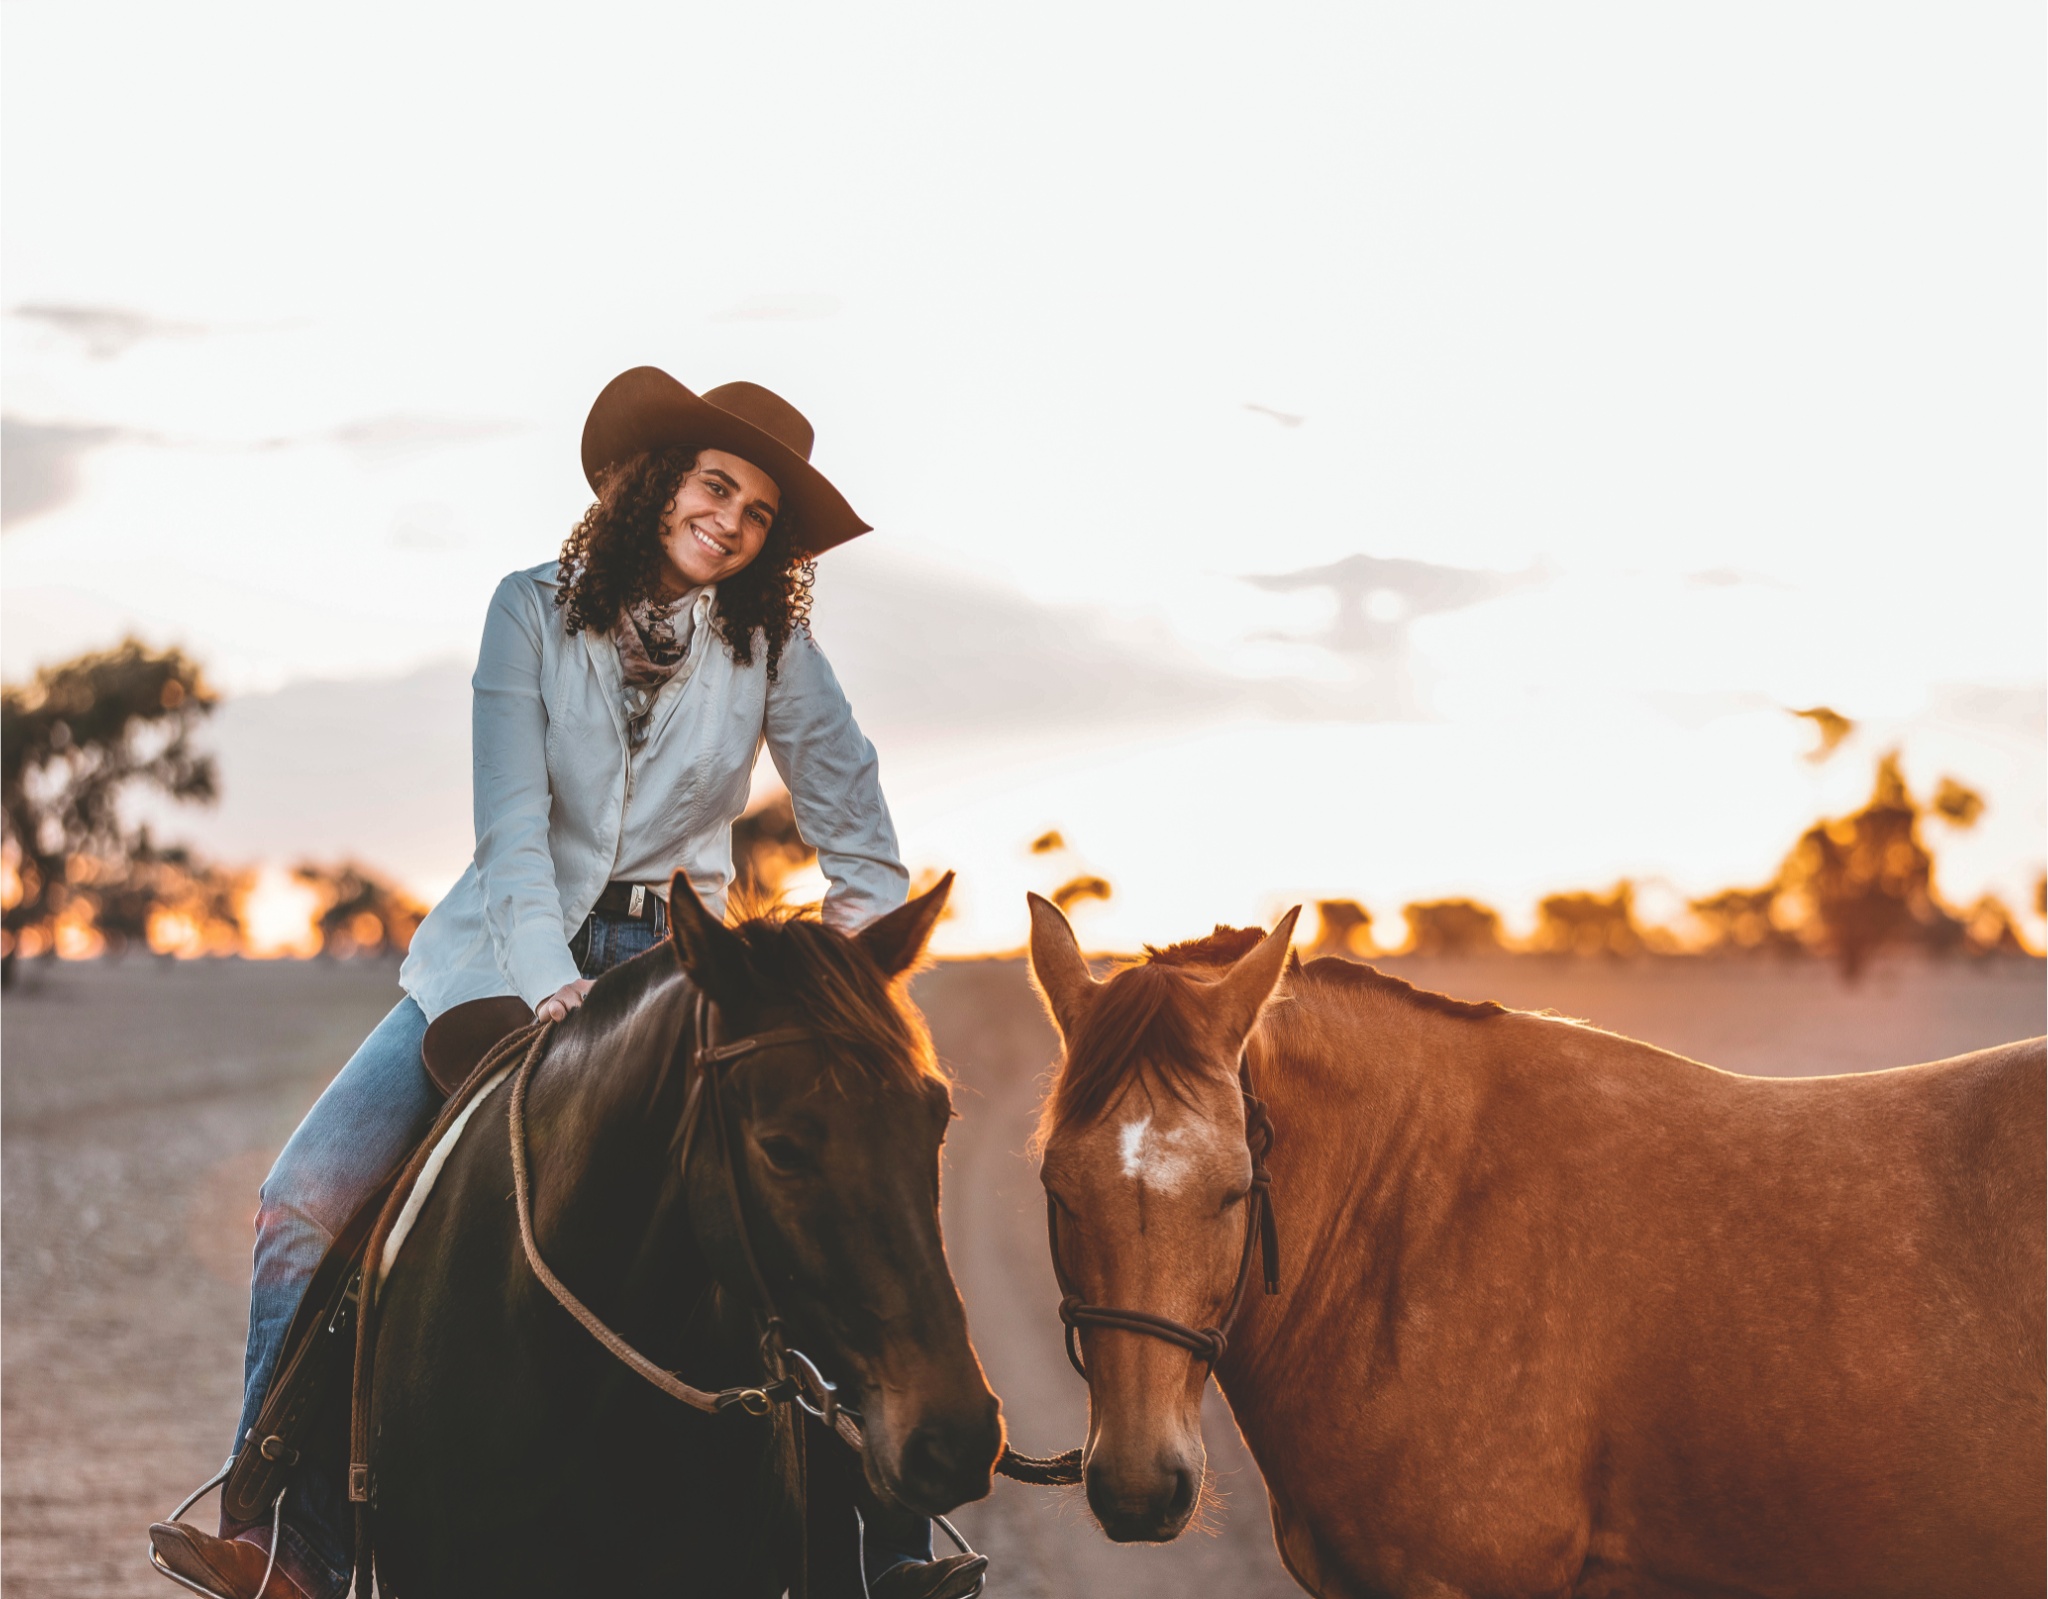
[1152,1509]
[931,1462]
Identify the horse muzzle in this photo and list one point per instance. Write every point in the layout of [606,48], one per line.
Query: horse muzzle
[943,1460]
[1144,1501]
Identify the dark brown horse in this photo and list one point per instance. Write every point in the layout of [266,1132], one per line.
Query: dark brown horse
[513,1454]
[1558,1313]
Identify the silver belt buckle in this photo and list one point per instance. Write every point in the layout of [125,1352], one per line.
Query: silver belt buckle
[636,901]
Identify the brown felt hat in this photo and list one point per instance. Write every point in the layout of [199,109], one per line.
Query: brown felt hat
[646,409]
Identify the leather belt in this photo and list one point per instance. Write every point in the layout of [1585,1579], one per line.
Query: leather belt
[631,902]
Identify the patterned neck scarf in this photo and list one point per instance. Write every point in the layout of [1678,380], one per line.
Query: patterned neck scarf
[654,638]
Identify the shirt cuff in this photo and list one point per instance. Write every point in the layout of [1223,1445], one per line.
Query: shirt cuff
[538,963]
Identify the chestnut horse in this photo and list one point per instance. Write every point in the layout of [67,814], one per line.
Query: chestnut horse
[1557,1312]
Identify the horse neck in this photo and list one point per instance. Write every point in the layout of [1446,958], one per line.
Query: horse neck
[1375,1105]
[604,1112]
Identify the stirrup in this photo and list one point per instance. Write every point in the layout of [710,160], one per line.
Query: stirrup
[965,1548]
[276,1531]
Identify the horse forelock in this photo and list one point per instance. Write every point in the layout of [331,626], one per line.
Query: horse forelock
[1147,1025]
[840,993]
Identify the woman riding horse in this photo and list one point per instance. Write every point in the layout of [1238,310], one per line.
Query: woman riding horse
[622,694]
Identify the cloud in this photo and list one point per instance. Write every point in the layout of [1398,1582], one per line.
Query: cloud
[933,652]
[374,769]
[383,438]
[106,331]
[39,462]
[1727,577]
[1378,599]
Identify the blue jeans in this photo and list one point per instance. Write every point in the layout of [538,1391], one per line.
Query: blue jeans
[377,1109]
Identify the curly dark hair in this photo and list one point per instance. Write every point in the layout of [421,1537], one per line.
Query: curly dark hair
[613,558]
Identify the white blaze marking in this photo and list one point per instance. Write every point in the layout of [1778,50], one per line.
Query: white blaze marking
[1132,1142]
[1156,1159]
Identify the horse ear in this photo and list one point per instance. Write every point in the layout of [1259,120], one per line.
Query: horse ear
[1058,966]
[1243,991]
[710,952]
[898,939]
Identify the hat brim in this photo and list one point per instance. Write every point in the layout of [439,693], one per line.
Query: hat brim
[646,409]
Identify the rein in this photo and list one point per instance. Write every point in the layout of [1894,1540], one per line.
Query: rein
[1204,1343]
[805,1384]
[792,1375]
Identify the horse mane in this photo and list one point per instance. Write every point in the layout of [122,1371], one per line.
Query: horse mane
[1144,1025]
[832,982]
[1226,946]
[1357,975]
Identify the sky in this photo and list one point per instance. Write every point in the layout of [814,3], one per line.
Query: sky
[1375,451]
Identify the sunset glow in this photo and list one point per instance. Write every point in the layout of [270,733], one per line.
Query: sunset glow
[1446,480]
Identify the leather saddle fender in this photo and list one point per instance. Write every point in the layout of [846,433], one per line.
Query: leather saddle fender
[459,1038]
[306,1407]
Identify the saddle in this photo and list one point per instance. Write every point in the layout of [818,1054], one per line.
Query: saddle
[306,1407]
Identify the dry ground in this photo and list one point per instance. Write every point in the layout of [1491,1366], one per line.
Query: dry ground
[142,1104]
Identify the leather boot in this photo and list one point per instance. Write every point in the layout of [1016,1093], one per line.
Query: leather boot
[231,1568]
[956,1577]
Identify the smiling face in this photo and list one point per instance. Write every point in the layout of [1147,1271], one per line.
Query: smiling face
[720,517]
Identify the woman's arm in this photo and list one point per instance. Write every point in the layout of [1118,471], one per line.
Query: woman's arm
[835,787]
[508,742]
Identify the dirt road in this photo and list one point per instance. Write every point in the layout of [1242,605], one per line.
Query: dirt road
[142,1104]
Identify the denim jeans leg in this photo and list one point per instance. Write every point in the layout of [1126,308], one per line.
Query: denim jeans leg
[377,1108]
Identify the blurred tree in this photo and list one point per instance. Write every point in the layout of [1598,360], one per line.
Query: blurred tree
[1048,843]
[165,900]
[1958,805]
[1075,889]
[73,743]
[1832,726]
[1740,920]
[1857,883]
[1452,927]
[1343,927]
[361,913]
[1989,929]
[1588,924]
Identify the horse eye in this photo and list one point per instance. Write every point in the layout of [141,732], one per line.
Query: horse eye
[786,1154]
[1232,1200]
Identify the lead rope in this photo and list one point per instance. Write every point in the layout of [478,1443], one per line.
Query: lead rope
[1050,1471]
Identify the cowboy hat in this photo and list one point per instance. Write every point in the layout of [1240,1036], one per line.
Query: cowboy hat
[646,409]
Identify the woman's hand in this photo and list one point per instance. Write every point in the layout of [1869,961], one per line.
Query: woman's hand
[563,1000]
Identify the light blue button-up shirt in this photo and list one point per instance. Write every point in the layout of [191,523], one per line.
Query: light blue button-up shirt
[564,807]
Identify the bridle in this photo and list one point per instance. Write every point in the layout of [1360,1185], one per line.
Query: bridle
[790,1374]
[1204,1343]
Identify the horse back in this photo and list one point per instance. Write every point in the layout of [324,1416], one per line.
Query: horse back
[1586,1317]
[1828,1336]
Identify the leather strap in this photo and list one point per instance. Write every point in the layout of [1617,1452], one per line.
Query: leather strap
[617,903]
[1261,1230]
